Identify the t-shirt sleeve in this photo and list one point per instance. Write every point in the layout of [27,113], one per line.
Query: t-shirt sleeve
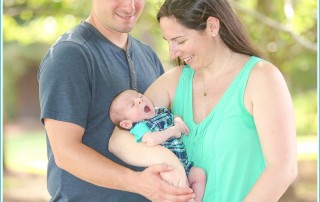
[139,130]
[64,84]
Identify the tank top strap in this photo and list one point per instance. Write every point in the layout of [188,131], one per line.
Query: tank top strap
[245,73]
[239,83]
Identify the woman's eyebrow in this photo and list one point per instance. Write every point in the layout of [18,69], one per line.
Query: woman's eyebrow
[172,38]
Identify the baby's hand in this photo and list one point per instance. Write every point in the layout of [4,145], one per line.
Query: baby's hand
[178,122]
[175,131]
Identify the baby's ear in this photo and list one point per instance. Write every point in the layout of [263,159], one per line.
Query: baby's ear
[126,124]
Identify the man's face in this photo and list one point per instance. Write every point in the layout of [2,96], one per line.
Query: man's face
[117,15]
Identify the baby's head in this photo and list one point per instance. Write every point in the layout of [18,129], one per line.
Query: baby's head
[129,107]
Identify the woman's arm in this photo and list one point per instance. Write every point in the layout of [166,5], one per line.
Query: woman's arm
[268,99]
[162,90]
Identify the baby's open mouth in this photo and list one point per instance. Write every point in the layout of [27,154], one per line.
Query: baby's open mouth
[146,109]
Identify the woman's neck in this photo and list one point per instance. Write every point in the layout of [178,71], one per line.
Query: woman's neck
[220,62]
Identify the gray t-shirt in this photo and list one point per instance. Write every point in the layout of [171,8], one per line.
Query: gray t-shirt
[78,78]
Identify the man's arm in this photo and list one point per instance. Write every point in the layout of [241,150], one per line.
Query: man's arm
[87,164]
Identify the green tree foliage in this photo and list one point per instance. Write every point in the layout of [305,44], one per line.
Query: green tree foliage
[41,21]
[285,30]
[278,28]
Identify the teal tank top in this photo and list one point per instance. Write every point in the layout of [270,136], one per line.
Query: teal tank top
[226,143]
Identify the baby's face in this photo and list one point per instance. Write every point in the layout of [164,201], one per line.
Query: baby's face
[135,106]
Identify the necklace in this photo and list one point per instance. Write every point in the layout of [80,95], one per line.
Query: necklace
[203,83]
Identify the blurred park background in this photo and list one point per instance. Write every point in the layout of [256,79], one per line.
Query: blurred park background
[286,30]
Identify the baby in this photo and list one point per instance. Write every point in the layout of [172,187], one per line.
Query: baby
[153,126]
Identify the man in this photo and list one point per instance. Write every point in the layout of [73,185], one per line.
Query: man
[78,78]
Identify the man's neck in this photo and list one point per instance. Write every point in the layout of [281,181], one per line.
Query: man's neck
[119,39]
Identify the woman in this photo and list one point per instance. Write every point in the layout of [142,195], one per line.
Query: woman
[236,105]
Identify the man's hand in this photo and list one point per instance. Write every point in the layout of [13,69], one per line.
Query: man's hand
[176,177]
[155,189]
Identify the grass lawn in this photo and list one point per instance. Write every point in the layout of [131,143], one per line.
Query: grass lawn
[26,152]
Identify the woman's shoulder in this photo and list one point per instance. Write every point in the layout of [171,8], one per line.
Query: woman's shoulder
[259,68]
[265,71]
[174,71]
[265,77]
[163,89]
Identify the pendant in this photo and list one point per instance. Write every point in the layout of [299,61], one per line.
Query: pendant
[204,94]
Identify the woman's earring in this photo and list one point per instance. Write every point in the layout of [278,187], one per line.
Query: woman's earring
[214,34]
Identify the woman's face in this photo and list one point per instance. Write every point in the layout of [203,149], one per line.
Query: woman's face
[191,46]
